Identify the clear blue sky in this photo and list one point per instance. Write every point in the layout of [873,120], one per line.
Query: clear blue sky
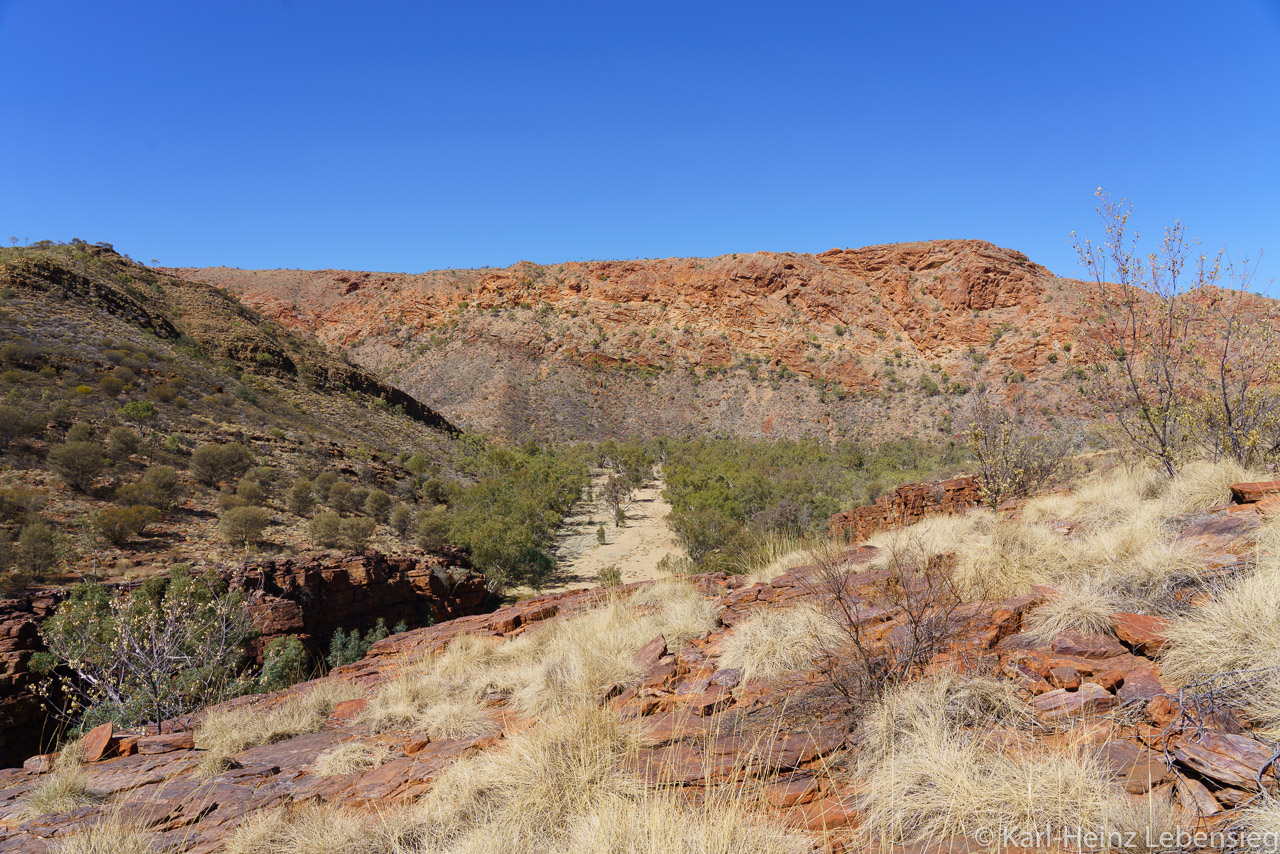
[416,135]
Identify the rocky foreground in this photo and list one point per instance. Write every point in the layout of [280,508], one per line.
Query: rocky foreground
[790,736]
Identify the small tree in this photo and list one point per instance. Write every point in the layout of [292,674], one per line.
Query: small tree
[300,498]
[158,488]
[400,519]
[431,530]
[1012,460]
[122,443]
[214,464]
[378,505]
[243,526]
[284,662]
[325,529]
[37,548]
[356,531]
[77,463]
[118,525]
[163,650]
[16,423]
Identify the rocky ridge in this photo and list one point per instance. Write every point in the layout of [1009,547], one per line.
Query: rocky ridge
[859,342]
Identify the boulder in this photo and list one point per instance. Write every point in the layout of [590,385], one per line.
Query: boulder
[1142,632]
[1087,646]
[167,743]
[1247,493]
[98,743]
[1230,759]
[1062,703]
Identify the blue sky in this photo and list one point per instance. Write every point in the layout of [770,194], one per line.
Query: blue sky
[412,136]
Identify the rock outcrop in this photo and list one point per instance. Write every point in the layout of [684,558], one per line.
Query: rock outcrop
[309,596]
[904,506]
[861,343]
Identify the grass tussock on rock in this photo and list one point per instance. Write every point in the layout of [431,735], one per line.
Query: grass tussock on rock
[770,643]
[561,786]
[1123,552]
[64,788]
[224,733]
[932,772]
[564,665]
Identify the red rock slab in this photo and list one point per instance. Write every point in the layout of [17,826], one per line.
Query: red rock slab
[1087,646]
[792,789]
[649,654]
[825,813]
[1137,768]
[1247,493]
[1140,685]
[41,764]
[795,749]
[98,743]
[1061,703]
[1196,797]
[167,743]
[347,711]
[1143,633]
[1231,759]
[1064,677]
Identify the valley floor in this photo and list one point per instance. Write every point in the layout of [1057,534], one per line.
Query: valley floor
[635,548]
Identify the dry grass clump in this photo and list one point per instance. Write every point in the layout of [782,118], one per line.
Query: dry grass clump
[558,787]
[934,535]
[222,734]
[426,702]
[64,788]
[929,776]
[1099,500]
[1202,484]
[662,823]
[350,758]
[1262,820]
[1085,607]
[313,829]
[771,642]
[558,666]
[111,835]
[1007,559]
[772,556]
[946,702]
[1238,630]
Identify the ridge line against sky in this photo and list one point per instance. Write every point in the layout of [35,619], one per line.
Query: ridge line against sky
[419,136]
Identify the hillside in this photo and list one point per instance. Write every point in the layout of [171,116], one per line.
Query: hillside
[138,370]
[872,343]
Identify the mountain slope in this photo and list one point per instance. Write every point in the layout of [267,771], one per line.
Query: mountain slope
[866,342]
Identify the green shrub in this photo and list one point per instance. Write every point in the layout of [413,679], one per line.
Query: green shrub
[243,526]
[17,423]
[325,529]
[249,490]
[284,662]
[323,484]
[300,499]
[339,497]
[118,525]
[400,519]
[165,649]
[355,532]
[431,530]
[37,547]
[78,463]
[157,488]
[378,505]
[349,647]
[122,443]
[138,410]
[610,576]
[79,432]
[213,464]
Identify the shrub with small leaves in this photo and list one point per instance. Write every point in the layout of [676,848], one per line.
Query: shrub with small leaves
[243,526]
[118,525]
[300,499]
[400,519]
[78,463]
[431,530]
[378,505]
[138,410]
[325,529]
[356,531]
[37,547]
[157,488]
[285,661]
[122,443]
[213,464]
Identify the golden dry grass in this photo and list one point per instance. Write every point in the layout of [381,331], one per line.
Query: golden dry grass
[1085,606]
[562,786]
[350,758]
[1239,629]
[224,733]
[556,667]
[928,777]
[61,790]
[769,643]
[109,835]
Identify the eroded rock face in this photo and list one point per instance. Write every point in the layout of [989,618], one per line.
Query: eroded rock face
[309,596]
[783,344]
[906,505]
